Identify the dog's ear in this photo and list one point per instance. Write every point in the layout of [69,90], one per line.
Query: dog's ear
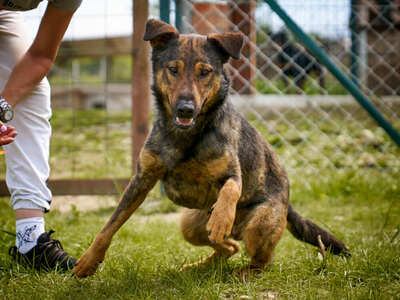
[159,33]
[230,42]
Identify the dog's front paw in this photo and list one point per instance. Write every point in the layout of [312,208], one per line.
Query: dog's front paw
[220,223]
[88,263]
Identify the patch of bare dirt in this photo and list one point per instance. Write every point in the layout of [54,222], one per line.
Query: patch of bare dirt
[64,204]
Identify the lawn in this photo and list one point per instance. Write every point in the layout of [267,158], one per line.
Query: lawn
[145,256]
[357,202]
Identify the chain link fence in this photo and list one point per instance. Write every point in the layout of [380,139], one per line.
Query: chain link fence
[302,110]
[290,97]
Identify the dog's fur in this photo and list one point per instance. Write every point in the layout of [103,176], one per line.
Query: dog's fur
[209,158]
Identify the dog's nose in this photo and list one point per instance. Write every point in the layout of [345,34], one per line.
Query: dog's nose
[185,109]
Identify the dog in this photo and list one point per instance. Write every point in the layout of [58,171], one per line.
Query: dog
[296,64]
[208,157]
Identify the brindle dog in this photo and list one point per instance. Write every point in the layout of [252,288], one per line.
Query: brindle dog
[209,158]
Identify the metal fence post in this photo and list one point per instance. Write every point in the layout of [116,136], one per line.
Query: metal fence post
[355,45]
[178,14]
[165,7]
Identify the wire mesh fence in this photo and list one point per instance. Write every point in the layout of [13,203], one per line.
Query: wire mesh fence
[302,110]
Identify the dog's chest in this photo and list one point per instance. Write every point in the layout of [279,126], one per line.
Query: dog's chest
[195,184]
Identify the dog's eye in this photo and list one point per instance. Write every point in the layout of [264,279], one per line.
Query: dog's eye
[173,70]
[205,72]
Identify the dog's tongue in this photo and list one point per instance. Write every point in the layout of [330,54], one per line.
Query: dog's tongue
[184,121]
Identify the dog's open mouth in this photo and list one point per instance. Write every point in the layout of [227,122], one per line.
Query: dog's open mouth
[184,122]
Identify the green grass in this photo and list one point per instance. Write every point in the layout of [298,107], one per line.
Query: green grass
[349,194]
[361,208]
[90,143]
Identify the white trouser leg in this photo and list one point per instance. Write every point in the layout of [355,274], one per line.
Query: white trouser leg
[27,157]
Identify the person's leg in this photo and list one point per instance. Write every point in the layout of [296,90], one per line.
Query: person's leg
[27,165]
[27,158]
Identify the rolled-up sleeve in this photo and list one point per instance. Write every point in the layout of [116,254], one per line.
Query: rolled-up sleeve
[66,4]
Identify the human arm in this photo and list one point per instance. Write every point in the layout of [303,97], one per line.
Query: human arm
[39,58]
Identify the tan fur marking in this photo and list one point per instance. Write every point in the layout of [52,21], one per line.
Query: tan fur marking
[203,172]
[164,90]
[184,42]
[178,82]
[150,162]
[208,85]
[224,211]
[224,250]
[263,232]
[211,93]
[230,192]
[218,167]
[196,95]
[196,46]
[193,223]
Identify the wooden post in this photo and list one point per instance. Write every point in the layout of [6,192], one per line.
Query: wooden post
[242,15]
[140,80]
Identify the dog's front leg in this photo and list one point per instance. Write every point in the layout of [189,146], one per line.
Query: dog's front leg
[223,212]
[149,171]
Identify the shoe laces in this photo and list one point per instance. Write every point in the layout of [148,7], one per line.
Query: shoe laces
[45,254]
[53,252]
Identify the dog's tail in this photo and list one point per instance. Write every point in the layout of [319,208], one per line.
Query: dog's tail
[306,231]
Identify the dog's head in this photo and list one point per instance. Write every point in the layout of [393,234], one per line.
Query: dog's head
[188,69]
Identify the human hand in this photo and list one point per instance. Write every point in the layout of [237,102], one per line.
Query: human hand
[7,134]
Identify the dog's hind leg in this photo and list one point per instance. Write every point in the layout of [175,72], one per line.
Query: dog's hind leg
[265,227]
[193,227]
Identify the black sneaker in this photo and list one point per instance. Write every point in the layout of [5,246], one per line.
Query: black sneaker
[47,255]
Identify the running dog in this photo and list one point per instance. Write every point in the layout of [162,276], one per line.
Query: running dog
[208,157]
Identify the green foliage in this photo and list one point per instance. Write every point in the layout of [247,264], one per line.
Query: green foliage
[90,143]
[121,68]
